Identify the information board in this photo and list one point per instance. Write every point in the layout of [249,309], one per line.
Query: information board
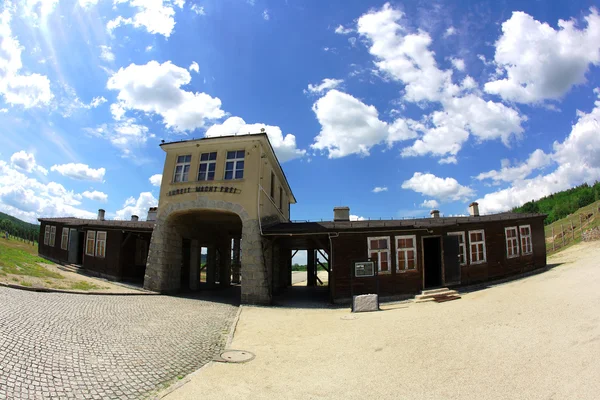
[364,268]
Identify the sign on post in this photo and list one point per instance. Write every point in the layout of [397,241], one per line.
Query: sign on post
[364,269]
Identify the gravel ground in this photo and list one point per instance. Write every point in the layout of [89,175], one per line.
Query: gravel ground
[535,338]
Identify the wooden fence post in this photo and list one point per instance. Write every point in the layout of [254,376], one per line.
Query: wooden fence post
[553,239]
[562,231]
[572,230]
[580,227]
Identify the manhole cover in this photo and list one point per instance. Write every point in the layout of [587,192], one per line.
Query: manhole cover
[237,356]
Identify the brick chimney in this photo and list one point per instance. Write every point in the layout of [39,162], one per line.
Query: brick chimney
[435,213]
[341,213]
[101,215]
[474,209]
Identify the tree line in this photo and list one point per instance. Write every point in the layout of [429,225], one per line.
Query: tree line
[17,228]
[561,204]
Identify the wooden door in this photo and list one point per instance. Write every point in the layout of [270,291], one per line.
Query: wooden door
[451,260]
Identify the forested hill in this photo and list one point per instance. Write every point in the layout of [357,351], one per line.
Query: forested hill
[15,227]
[561,204]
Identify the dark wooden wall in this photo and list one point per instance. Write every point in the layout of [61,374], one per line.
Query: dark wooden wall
[349,248]
[55,252]
[108,266]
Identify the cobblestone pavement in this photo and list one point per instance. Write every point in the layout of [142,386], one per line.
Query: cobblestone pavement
[65,346]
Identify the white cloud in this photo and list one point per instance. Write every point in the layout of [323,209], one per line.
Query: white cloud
[430,204]
[406,57]
[537,159]
[541,62]
[199,10]
[444,189]
[357,218]
[157,16]
[126,135]
[96,196]
[194,67]
[156,88]
[266,15]
[97,101]
[26,162]
[325,85]
[27,198]
[156,179]
[148,48]
[349,126]
[458,63]
[340,30]
[38,10]
[80,172]
[139,206]
[284,146]
[449,32]
[28,90]
[379,189]
[106,53]
[87,3]
[578,159]
[448,160]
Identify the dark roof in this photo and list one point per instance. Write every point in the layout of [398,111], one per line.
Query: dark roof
[117,224]
[290,228]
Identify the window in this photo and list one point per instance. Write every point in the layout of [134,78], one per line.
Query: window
[477,244]
[208,165]
[100,244]
[526,245]
[462,254]
[379,251]
[90,243]
[272,185]
[234,166]
[64,240]
[280,198]
[406,252]
[512,242]
[52,236]
[182,168]
[46,235]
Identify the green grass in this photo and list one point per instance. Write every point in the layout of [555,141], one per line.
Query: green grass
[16,261]
[562,227]
[25,283]
[83,285]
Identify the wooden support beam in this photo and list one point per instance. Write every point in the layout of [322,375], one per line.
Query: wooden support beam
[294,253]
[326,257]
[311,268]
[126,239]
[321,244]
[324,267]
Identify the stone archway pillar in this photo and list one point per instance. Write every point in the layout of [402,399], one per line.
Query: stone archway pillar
[255,283]
[163,268]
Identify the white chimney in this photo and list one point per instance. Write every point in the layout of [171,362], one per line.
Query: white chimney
[152,211]
[341,213]
[100,215]
[474,209]
[135,218]
[435,213]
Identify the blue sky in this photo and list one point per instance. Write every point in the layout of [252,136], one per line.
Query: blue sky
[389,108]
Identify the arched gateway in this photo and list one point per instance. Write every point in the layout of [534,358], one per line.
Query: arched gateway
[218,193]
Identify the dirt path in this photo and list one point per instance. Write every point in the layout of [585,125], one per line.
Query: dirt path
[535,338]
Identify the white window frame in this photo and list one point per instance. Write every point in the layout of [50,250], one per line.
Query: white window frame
[208,164]
[100,242]
[526,237]
[482,231]
[235,162]
[406,250]
[178,176]
[512,239]
[52,236]
[378,251]
[87,240]
[462,245]
[47,235]
[64,243]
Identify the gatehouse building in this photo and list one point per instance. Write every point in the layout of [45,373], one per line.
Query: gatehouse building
[223,219]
